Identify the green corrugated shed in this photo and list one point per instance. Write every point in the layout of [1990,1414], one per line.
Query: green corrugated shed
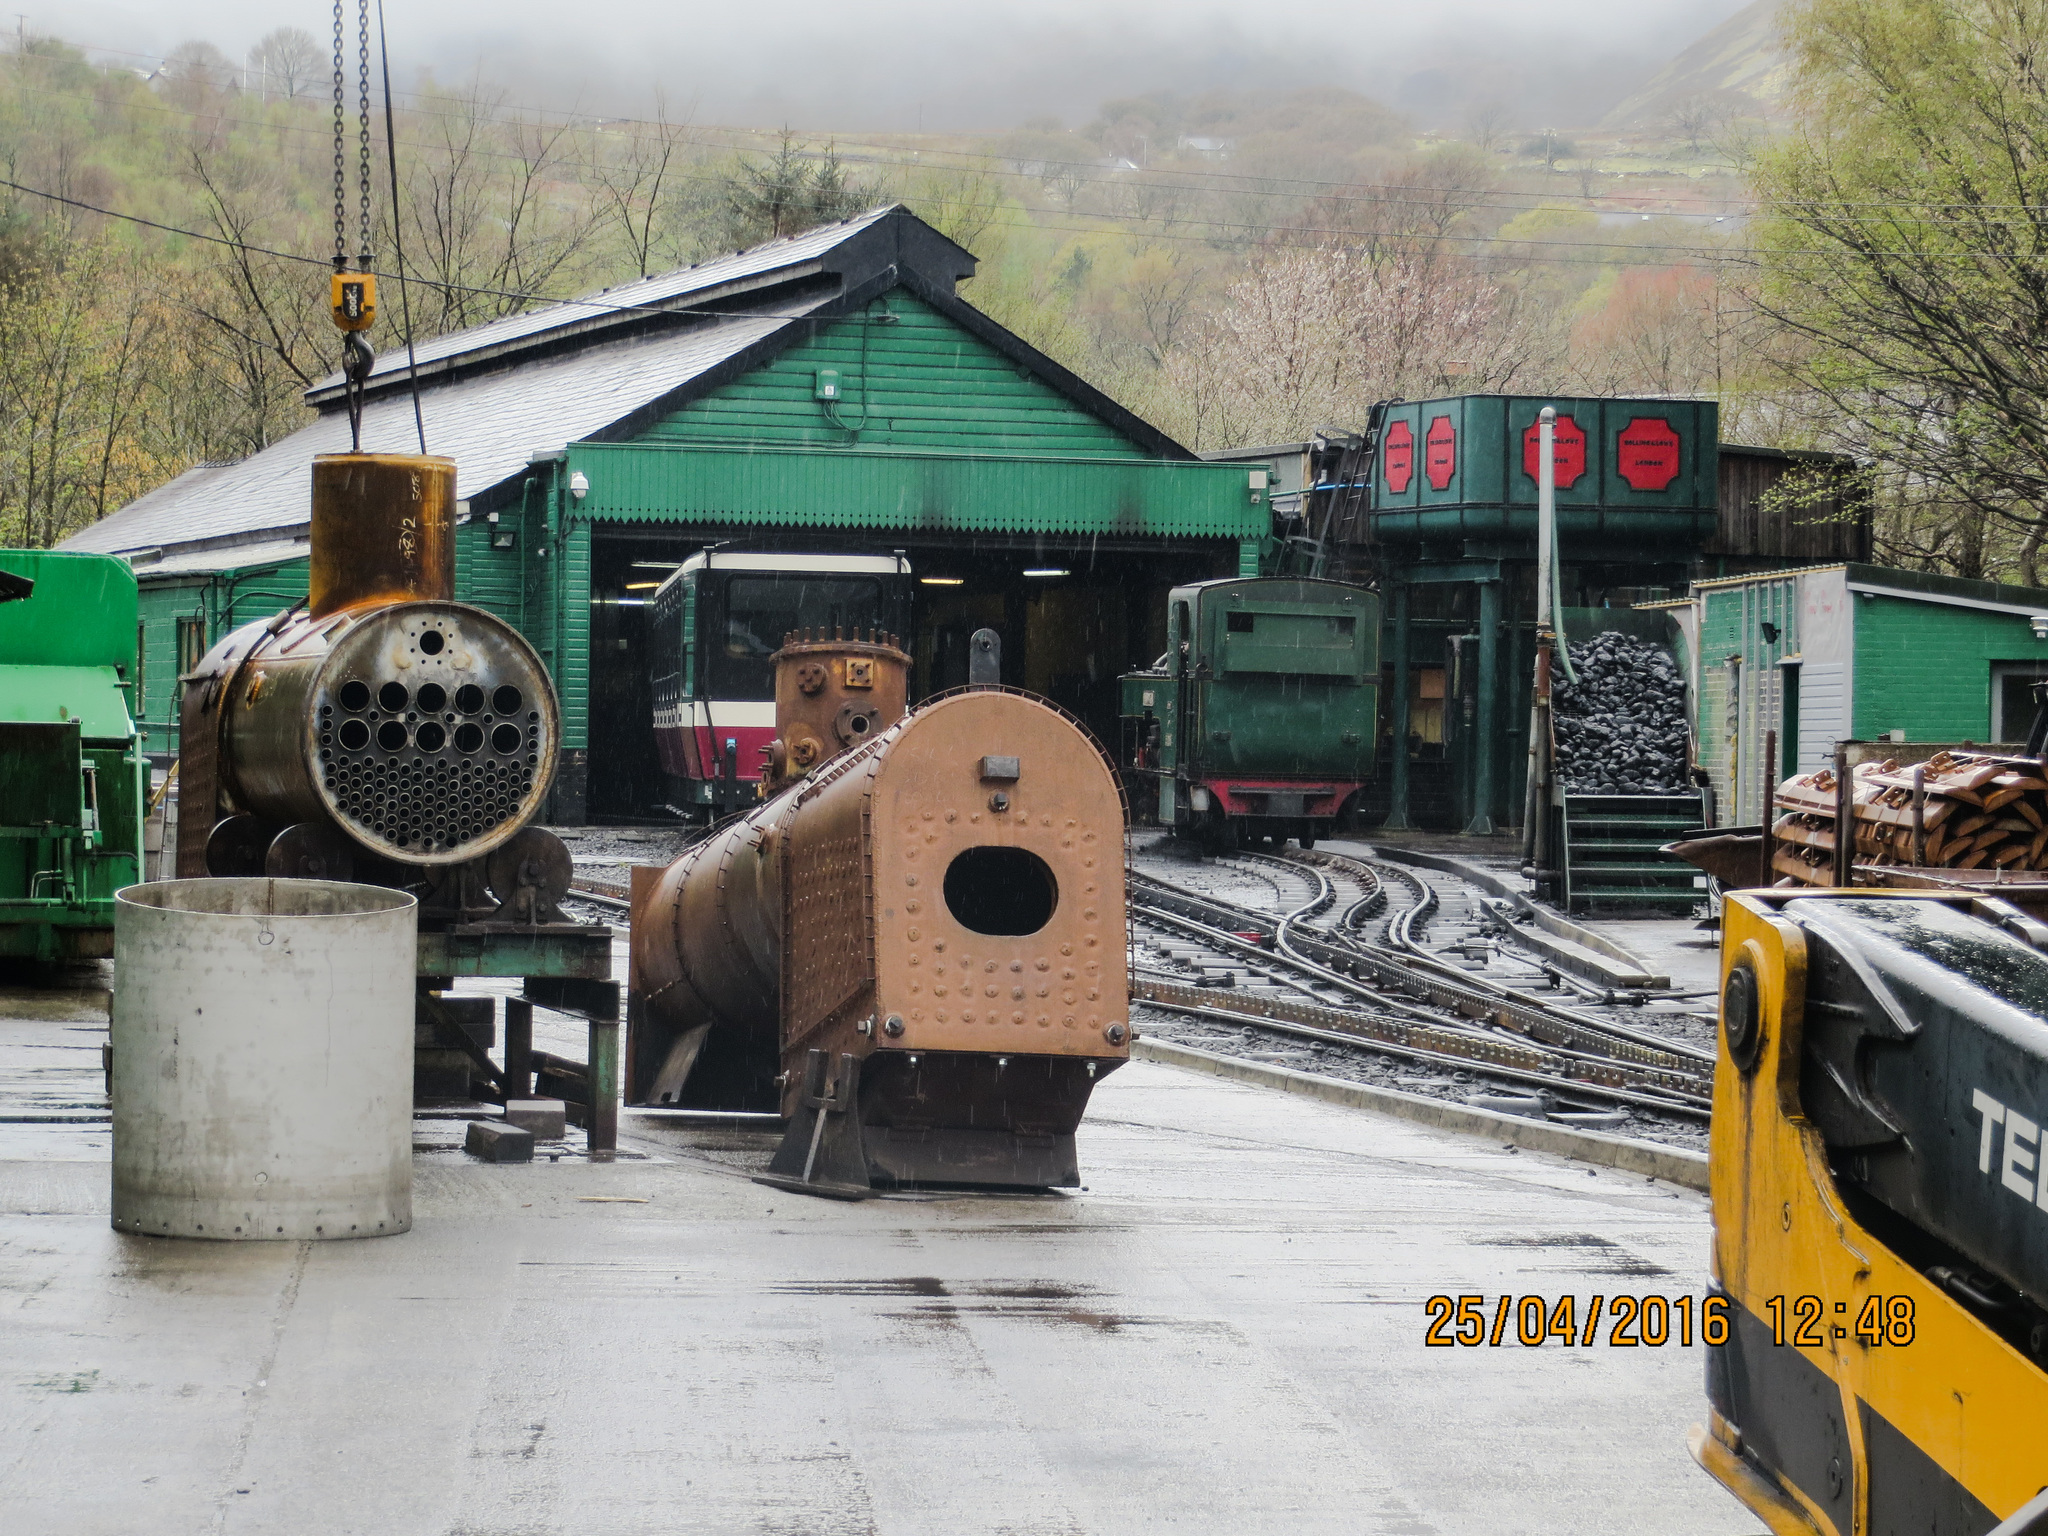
[1854,652]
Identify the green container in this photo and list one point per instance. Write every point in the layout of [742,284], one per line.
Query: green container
[70,759]
[1636,472]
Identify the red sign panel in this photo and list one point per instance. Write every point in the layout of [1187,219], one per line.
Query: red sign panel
[1648,453]
[1567,451]
[1398,454]
[1440,453]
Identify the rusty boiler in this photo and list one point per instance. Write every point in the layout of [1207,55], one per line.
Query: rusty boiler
[830,696]
[916,954]
[382,730]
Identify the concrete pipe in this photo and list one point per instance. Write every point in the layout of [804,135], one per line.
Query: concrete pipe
[938,917]
[263,1055]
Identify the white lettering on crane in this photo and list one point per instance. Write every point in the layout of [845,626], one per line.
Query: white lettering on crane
[2017,1174]
[1993,1113]
[2021,1164]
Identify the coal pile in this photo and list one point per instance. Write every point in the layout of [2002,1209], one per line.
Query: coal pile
[1621,730]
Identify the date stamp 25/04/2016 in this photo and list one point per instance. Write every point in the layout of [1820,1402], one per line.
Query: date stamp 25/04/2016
[1634,1322]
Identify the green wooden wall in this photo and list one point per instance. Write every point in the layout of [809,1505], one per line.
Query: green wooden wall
[909,378]
[222,600]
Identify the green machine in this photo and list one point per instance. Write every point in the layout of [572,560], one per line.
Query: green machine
[1260,721]
[70,754]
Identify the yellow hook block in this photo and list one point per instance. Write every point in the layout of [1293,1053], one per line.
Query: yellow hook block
[354,299]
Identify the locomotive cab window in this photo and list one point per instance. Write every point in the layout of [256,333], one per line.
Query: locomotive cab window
[760,610]
[1241,623]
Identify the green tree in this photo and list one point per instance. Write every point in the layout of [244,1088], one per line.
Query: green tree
[1907,254]
[790,191]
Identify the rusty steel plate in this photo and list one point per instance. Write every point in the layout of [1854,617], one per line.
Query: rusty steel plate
[999,916]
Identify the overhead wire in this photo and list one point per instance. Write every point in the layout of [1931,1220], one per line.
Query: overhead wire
[412,357]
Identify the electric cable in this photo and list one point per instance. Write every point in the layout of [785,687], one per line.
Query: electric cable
[412,359]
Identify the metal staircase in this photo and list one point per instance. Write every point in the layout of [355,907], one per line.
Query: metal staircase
[1612,861]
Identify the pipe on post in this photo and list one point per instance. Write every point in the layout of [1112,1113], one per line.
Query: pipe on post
[1845,805]
[1481,824]
[1919,814]
[1769,794]
[1535,799]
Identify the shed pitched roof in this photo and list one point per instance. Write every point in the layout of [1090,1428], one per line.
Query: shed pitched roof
[595,367]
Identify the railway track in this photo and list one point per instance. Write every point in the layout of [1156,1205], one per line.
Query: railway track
[1328,949]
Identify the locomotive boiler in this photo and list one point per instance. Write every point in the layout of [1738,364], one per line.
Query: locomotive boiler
[381,731]
[915,952]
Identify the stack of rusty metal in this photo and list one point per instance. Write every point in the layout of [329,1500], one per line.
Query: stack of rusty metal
[1955,811]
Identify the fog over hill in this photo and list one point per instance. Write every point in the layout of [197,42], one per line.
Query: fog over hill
[908,64]
[1737,70]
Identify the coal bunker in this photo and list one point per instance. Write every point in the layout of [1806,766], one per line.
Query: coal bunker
[1621,729]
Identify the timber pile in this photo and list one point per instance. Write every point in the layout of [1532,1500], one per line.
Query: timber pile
[1981,812]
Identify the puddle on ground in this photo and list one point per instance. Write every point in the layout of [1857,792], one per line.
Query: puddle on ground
[1035,1300]
[1604,1255]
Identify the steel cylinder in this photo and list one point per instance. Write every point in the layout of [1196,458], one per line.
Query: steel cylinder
[383,530]
[263,1059]
[426,731]
[954,885]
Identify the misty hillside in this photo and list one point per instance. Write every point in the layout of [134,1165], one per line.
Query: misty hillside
[1737,70]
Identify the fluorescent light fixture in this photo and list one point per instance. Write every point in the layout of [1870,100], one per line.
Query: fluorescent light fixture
[1049,571]
[941,581]
[657,565]
[642,586]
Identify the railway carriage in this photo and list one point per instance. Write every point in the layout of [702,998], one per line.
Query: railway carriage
[1260,721]
[717,621]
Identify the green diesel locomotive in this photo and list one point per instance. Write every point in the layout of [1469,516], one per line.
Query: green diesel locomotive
[70,756]
[1261,720]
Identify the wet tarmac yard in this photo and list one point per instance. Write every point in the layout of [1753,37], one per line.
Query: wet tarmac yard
[1226,1331]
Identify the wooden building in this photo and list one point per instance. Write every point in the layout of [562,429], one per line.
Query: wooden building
[827,389]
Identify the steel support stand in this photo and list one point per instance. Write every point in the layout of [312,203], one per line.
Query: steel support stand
[604,1089]
[1397,808]
[518,1048]
[1486,726]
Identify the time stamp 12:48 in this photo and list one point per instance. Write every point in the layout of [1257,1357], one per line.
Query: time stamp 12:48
[1632,1322]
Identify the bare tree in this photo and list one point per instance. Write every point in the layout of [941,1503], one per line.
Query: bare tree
[1487,124]
[493,217]
[287,60]
[640,176]
[265,331]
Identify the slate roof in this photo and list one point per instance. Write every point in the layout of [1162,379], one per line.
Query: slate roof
[598,367]
[723,283]
[489,425]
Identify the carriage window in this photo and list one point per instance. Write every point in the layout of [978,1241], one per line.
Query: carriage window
[760,610]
